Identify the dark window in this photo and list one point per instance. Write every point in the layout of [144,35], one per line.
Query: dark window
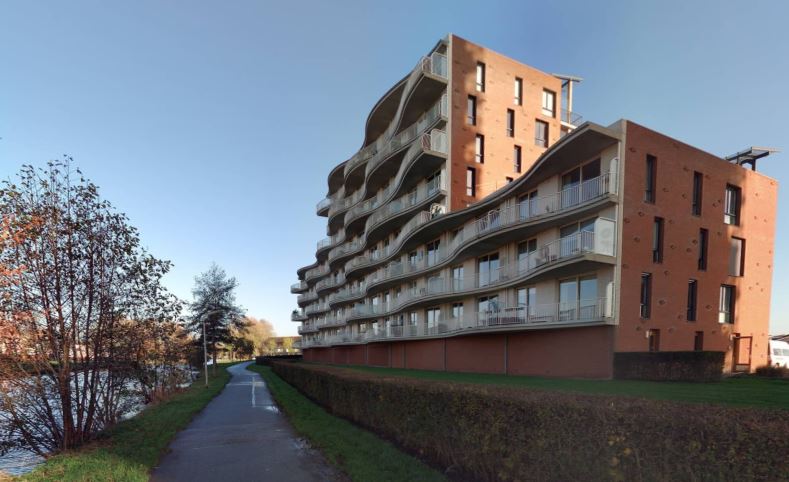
[509,179]
[731,214]
[657,241]
[471,110]
[646,295]
[433,252]
[726,306]
[654,340]
[692,295]
[651,179]
[471,181]
[510,123]
[541,133]
[516,155]
[480,77]
[479,149]
[698,182]
[698,341]
[737,257]
[703,242]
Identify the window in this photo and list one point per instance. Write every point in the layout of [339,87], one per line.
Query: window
[654,339]
[657,241]
[413,258]
[527,205]
[580,184]
[548,103]
[698,181]
[737,257]
[527,301]
[432,252]
[692,295]
[509,179]
[726,306]
[480,77]
[471,111]
[510,123]
[541,133]
[698,341]
[651,179]
[413,319]
[457,278]
[516,158]
[432,316]
[457,311]
[488,304]
[703,242]
[518,91]
[524,251]
[488,269]
[578,299]
[731,214]
[471,181]
[646,295]
[479,149]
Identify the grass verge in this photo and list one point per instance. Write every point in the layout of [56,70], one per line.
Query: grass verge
[128,451]
[742,392]
[356,452]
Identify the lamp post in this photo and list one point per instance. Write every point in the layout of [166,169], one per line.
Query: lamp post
[205,355]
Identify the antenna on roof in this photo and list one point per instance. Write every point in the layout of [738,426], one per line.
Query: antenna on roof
[750,155]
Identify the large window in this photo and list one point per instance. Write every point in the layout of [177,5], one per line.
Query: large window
[518,91]
[471,110]
[516,158]
[645,306]
[480,77]
[581,184]
[457,278]
[731,214]
[510,123]
[527,301]
[457,311]
[433,255]
[525,249]
[693,290]
[698,184]
[726,305]
[488,269]
[657,240]
[578,299]
[654,339]
[549,103]
[527,205]
[576,237]
[432,317]
[471,181]
[479,149]
[488,309]
[651,179]
[737,257]
[703,245]
[541,133]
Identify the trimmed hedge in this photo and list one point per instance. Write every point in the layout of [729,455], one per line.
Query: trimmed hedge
[499,433]
[267,359]
[688,366]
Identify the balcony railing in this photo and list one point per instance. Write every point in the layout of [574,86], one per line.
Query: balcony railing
[300,286]
[316,308]
[570,117]
[323,204]
[316,272]
[298,315]
[324,243]
[562,313]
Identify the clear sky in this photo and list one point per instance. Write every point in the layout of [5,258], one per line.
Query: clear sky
[213,125]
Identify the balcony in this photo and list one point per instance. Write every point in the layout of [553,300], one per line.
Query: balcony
[299,287]
[315,273]
[307,329]
[549,315]
[316,308]
[307,297]
[572,119]
[322,208]
[298,315]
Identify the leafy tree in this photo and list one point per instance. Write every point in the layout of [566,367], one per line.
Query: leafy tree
[79,298]
[214,303]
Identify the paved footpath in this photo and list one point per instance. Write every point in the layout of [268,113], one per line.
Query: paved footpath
[240,435]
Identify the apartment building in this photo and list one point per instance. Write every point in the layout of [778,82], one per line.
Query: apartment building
[482,227]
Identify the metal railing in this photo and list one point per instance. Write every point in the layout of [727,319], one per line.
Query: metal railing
[561,313]
[306,297]
[298,315]
[570,117]
[300,286]
[323,204]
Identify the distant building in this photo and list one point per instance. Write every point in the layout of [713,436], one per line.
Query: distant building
[483,227]
[286,345]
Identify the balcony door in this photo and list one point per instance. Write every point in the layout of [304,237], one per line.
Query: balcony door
[580,184]
[488,269]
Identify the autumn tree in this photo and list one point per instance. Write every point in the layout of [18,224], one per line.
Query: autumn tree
[79,295]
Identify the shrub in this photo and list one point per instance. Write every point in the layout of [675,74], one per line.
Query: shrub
[499,433]
[689,366]
[772,371]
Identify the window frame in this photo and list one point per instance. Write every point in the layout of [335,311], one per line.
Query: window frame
[704,241]
[658,234]
[471,181]
[480,77]
[733,195]
[510,123]
[518,87]
[517,161]
[650,181]
[727,311]
[698,193]
[692,302]
[471,110]
[551,111]
[479,149]
[537,140]
[645,296]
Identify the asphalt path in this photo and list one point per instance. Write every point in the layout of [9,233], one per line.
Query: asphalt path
[241,435]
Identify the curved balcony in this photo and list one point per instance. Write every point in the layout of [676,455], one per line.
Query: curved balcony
[560,253]
[298,315]
[585,312]
[328,284]
[390,150]
[307,329]
[535,213]
[306,298]
[299,287]
[316,308]
[316,273]
[322,208]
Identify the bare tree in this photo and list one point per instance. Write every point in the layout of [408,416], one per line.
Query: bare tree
[78,297]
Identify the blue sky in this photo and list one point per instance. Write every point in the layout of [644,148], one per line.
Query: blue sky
[213,125]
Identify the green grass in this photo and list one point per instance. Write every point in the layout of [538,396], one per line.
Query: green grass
[128,451]
[743,391]
[355,451]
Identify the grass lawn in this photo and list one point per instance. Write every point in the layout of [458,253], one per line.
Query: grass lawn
[745,391]
[355,451]
[128,451]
